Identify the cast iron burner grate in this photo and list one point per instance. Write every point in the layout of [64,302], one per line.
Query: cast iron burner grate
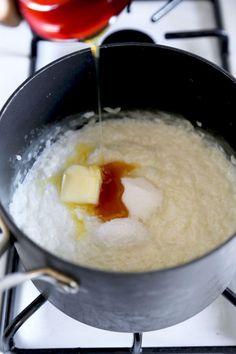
[10,325]
[217,32]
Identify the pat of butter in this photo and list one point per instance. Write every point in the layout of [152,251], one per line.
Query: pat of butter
[81,184]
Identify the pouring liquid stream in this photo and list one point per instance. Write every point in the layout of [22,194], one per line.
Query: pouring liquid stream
[96,55]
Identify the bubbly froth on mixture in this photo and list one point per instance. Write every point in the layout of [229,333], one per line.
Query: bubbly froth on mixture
[161,194]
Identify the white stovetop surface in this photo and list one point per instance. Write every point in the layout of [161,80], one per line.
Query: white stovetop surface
[214,326]
[49,327]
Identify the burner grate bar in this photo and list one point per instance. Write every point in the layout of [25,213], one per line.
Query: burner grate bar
[200,33]
[230,296]
[165,9]
[219,24]
[19,320]
[219,33]
[163,350]
[8,297]
[137,343]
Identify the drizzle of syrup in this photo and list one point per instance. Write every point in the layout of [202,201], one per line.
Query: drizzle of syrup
[110,205]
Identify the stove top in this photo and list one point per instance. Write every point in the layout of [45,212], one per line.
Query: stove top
[30,324]
[192,25]
[215,326]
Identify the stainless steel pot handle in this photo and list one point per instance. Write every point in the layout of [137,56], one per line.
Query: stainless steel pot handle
[62,282]
[4,237]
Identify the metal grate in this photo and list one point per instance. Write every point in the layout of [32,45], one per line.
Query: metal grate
[217,32]
[10,325]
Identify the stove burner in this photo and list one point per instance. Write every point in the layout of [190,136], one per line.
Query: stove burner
[128,36]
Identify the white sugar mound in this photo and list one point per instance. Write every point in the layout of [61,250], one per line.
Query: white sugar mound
[141,197]
[122,232]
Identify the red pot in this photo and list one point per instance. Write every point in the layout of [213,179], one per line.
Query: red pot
[69,19]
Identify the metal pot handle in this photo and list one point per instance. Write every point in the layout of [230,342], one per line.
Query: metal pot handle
[4,237]
[62,282]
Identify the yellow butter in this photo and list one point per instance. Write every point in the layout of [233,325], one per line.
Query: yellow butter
[81,184]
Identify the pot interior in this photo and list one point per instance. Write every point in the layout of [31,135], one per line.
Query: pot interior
[132,76]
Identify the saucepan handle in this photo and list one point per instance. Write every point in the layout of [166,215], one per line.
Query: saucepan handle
[62,282]
[4,237]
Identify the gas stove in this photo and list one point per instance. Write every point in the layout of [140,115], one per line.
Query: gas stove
[192,25]
[30,324]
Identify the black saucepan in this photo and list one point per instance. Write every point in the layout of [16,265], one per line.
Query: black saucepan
[132,76]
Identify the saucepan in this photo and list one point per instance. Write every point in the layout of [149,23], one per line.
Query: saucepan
[133,76]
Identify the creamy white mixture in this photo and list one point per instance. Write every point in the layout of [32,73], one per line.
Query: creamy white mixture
[196,180]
